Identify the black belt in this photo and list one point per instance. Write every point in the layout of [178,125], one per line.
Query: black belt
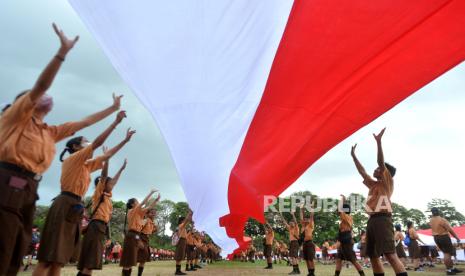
[99,221]
[65,193]
[376,215]
[134,232]
[19,170]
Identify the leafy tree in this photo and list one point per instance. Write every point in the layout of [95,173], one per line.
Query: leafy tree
[180,209]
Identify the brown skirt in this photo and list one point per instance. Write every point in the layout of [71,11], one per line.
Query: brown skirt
[61,233]
[268,250]
[346,252]
[294,249]
[92,246]
[143,255]
[400,251]
[180,249]
[414,249]
[131,246]
[190,251]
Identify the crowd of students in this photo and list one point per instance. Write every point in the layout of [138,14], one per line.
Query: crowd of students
[27,149]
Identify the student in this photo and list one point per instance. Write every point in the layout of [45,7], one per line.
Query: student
[294,246]
[268,250]
[32,247]
[61,233]
[363,249]
[441,230]
[308,225]
[182,242]
[198,246]
[143,255]
[413,247]
[132,242]
[345,251]
[399,239]
[102,207]
[325,251]
[190,251]
[27,150]
[115,252]
[380,234]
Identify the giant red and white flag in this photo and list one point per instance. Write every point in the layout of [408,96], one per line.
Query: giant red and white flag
[249,93]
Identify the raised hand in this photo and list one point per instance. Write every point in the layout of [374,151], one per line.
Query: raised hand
[129,134]
[124,164]
[120,116]
[380,135]
[352,151]
[105,149]
[66,43]
[117,101]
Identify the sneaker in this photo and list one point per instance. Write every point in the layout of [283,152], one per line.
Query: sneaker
[419,269]
[451,272]
[457,270]
[180,273]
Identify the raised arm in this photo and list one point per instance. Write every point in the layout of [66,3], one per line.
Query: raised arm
[104,135]
[358,165]
[446,225]
[146,199]
[98,116]
[187,219]
[380,149]
[115,149]
[153,203]
[284,220]
[293,217]
[110,184]
[47,76]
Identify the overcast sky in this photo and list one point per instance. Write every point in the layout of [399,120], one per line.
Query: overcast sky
[425,138]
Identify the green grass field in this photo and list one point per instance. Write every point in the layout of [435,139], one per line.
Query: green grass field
[239,268]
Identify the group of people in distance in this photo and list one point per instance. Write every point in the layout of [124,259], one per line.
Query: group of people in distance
[377,242]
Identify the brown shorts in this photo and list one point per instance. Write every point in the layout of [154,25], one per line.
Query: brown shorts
[363,250]
[180,250]
[309,250]
[131,246]
[444,243]
[92,246]
[268,251]
[400,250]
[424,251]
[346,252]
[294,249]
[61,233]
[17,207]
[143,255]
[414,249]
[190,252]
[380,236]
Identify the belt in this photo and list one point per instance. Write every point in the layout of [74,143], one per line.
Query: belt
[65,193]
[99,221]
[376,215]
[19,170]
[134,232]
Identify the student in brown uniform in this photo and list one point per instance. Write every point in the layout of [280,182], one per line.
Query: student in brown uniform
[399,239]
[413,247]
[363,249]
[27,150]
[143,255]
[93,241]
[324,251]
[441,230]
[268,249]
[62,227]
[182,242]
[294,246]
[308,225]
[345,251]
[198,245]
[135,213]
[190,250]
[380,229]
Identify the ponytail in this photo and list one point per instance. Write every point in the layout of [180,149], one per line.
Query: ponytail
[76,141]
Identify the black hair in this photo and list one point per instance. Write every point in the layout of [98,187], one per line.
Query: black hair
[435,211]
[346,208]
[180,220]
[129,204]
[392,170]
[398,227]
[409,224]
[363,232]
[76,141]
[16,98]
[98,178]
